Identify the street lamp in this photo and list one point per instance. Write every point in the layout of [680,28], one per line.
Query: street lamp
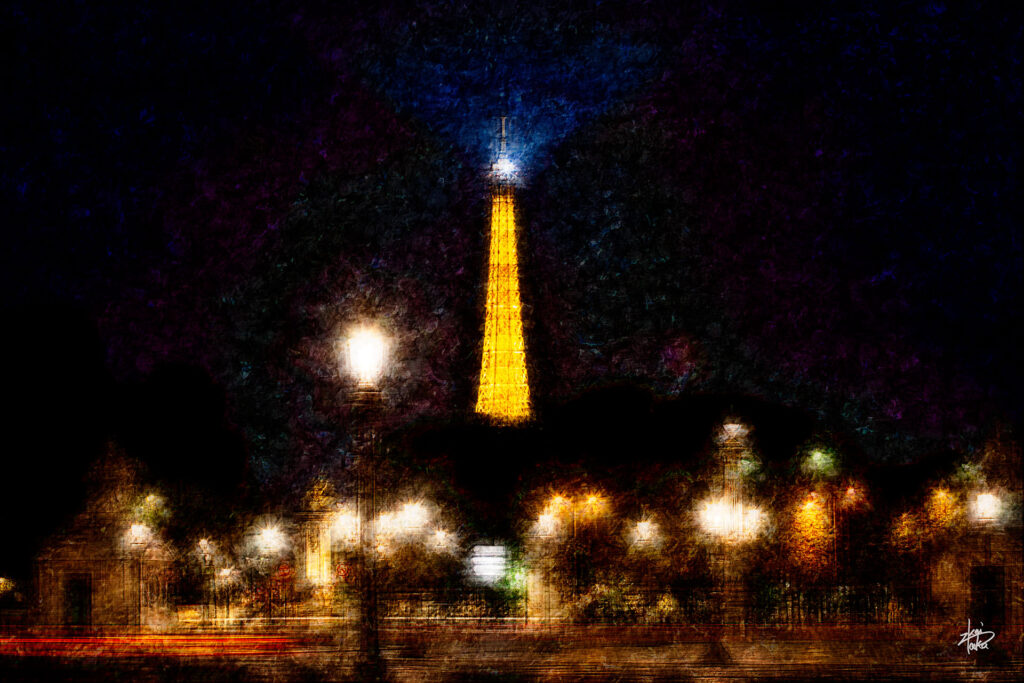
[205,549]
[645,532]
[590,506]
[138,538]
[365,350]
[269,541]
[365,355]
[987,508]
[225,578]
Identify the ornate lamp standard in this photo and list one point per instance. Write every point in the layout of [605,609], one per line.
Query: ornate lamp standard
[730,520]
[269,542]
[365,351]
[139,538]
[205,549]
[589,508]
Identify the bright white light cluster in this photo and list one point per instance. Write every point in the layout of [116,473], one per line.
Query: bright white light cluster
[731,520]
[646,532]
[345,526]
[504,168]
[488,563]
[138,535]
[270,539]
[366,355]
[986,508]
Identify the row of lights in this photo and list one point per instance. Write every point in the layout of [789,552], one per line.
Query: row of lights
[726,518]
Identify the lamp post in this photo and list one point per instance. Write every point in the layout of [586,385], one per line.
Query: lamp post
[591,506]
[139,537]
[365,350]
[225,578]
[269,541]
[206,555]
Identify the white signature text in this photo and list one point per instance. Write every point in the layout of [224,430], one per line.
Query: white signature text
[972,638]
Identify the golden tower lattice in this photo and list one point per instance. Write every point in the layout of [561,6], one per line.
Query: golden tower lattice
[504,393]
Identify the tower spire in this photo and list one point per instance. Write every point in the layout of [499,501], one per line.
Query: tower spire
[504,391]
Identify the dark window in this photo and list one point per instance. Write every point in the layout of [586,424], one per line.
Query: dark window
[988,604]
[78,600]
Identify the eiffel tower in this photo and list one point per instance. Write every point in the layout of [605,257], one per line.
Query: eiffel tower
[504,392]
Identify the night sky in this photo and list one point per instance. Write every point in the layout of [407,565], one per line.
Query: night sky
[809,208]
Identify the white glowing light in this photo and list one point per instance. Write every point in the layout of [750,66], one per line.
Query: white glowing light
[733,430]
[987,507]
[546,524]
[387,524]
[139,534]
[645,531]
[270,539]
[366,355]
[442,539]
[488,563]
[345,526]
[504,167]
[731,520]
[412,517]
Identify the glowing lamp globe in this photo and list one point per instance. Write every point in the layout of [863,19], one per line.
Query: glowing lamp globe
[645,531]
[366,355]
[987,507]
[139,534]
[270,539]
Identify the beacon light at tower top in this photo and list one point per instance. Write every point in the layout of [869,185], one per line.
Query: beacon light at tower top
[504,169]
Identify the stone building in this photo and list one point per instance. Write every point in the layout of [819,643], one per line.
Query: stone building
[108,567]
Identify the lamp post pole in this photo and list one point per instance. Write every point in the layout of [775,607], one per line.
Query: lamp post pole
[139,536]
[365,351]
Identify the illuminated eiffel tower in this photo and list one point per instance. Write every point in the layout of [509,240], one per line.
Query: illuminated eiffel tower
[504,393]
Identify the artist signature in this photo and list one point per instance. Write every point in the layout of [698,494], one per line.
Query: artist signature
[972,638]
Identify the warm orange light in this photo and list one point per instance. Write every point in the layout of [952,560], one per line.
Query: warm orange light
[906,535]
[812,534]
[557,504]
[504,392]
[593,505]
[942,507]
